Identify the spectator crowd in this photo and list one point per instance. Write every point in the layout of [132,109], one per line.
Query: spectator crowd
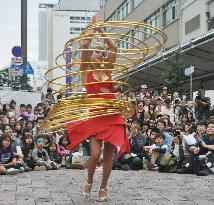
[166,134]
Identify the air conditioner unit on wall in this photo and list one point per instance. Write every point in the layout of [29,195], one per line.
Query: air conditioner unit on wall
[211,23]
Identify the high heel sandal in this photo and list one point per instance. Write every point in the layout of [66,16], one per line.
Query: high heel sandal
[102,195]
[86,195]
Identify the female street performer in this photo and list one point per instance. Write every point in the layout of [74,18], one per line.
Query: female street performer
[109,129]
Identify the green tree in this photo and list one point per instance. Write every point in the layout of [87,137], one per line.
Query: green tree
[173,73]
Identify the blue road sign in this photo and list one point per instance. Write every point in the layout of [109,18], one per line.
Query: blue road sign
[17,51]
[27,69]
[16,70]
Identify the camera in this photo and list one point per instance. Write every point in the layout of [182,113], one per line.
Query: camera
[176,133]
[176,101]
[198,97]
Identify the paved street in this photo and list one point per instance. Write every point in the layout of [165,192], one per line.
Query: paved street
[63,187]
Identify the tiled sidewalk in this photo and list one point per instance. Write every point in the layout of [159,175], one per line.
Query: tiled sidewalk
[63,187]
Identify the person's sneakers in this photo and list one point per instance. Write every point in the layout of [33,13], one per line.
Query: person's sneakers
[204,171]
[40,168]
[63,163]
[58,167]
[12,171]
[77,166]
[125,167]
[28,169]
[21,169]
[182,171]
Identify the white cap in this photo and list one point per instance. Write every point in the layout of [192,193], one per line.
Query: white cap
[143,86]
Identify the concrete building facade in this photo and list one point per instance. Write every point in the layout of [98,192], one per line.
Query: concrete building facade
[67,21]
[44,13]
[188,25]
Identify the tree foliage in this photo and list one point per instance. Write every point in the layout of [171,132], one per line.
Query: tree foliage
[174,72]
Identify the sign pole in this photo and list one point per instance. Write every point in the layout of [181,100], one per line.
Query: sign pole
[191,97]
[189,72]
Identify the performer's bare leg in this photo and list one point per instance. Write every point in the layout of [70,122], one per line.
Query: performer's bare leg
[107,163]
[107,167]
[95,151]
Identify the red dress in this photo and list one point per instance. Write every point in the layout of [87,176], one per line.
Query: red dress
[110,128]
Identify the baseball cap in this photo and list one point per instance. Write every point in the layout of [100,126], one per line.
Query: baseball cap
[143,86]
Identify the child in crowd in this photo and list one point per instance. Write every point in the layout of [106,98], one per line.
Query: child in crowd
[27,149]
[29,112]
[40,155]
[29,124]
[12,122]
[16,146]
[7,157]
[156,151]
[66,155]
[54,156]
[18,127]
[22,110]
[161,125]
[37,126]
[47,142]
[150,140]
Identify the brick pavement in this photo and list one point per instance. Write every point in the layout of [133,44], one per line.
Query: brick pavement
[63,187]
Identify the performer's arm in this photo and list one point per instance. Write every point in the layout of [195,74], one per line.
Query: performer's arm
[111,44]
[85,54]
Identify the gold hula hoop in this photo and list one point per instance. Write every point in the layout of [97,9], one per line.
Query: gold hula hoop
[135,41]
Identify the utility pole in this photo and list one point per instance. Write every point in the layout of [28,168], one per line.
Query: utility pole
[24,41]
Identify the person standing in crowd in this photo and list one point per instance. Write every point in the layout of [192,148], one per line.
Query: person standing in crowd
[139,112]
[202,106]
[168,110]
[164,93]
[13,108]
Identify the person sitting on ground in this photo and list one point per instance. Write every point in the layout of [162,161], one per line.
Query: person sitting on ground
[156,151]
[137,141]
[7,157]
[16,147]
[150,140]
[66,155]
[183,140]
[54,156]
[132,161]
[40,155]
[206,151]
[161,125]
[27,149]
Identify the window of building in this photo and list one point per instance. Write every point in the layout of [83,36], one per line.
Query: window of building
[170,12]
[76,30]
[121,12]
[192,24]
[79,19]
[154,21]
[135,3]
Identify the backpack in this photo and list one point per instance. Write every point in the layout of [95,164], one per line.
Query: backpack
[168,164]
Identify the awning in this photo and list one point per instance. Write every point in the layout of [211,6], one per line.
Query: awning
[197,52]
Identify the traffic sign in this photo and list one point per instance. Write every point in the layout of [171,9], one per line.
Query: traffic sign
[27,69]
[16,60]
[17,51]
[189,71]
[16,70]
